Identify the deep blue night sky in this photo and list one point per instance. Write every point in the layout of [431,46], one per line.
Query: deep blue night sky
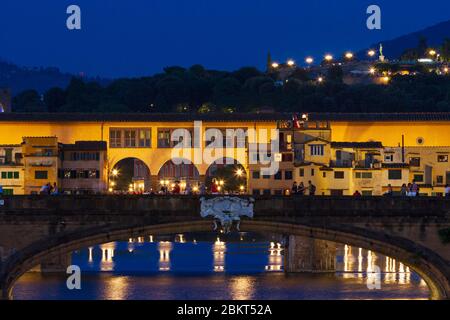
[139,37]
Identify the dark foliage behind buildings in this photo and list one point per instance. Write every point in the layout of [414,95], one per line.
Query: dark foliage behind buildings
[196,90]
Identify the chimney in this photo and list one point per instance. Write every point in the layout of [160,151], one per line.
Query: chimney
[403,148]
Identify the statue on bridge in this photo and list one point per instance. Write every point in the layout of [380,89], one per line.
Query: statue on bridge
[227,210]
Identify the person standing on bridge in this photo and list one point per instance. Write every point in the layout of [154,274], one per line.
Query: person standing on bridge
[404,191]
[54,189]
[294,189]
[188,189]
[311,188]
[176,189]
[414,189]
[301,189]
[202,189]
[447,191]
[390,191]
[45,189]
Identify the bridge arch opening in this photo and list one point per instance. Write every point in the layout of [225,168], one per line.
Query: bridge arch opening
[129,175]
[431,269]
[178,173]
[226,175]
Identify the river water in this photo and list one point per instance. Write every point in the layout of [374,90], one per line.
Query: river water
[147,268]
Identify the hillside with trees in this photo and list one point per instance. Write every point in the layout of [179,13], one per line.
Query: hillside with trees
[197,90]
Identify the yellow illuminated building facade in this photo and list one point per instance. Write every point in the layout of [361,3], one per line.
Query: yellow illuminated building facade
[338,153]
[40,157]
[11,169]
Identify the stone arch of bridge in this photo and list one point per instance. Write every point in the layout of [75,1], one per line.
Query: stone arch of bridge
[429,265]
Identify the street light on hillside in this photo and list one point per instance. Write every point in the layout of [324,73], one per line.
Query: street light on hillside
[328,57]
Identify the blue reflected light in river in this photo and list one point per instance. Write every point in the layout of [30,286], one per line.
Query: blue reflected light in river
[144,269]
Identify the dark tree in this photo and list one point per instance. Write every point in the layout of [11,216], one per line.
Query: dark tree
[54,99]
[28,101]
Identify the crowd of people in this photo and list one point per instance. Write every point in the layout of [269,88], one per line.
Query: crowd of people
[48,189]
[176,189]
[409,190]
[190,190]
[301,189]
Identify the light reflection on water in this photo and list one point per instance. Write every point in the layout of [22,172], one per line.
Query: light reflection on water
[144,269]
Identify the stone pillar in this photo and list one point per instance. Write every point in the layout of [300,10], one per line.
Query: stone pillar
[154,183]
[303,254]
[5,293]
[57,264]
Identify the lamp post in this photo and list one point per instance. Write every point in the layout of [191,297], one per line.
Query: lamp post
[112,183]
[433,54]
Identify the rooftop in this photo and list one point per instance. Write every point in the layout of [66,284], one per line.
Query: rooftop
[357,145]
[142,117]
[406,116]
[395,165]
[85,146]
[219,117]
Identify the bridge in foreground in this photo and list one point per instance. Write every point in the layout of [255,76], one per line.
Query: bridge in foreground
[44,230]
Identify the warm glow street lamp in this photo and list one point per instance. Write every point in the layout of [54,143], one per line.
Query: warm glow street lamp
[320,79]
[275,65]
[309,60]
[371,53]
[290,63]
[114,173]
[328,57]
[348,56]
[239,172]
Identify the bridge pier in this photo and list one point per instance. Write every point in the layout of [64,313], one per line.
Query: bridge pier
[304,254]
[5,293]
[57,264]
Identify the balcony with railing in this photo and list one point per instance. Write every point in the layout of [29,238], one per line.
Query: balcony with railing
[341,163]
[367,164]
